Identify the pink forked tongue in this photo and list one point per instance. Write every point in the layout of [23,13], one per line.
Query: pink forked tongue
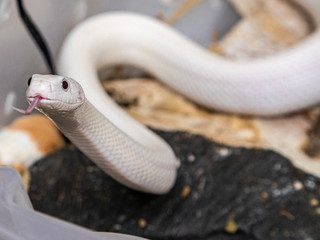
[32,105]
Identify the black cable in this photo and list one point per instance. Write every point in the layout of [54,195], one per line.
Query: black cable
[39,40]
[36,36]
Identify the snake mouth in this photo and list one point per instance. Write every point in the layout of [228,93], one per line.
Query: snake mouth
[37,97]
[34,100]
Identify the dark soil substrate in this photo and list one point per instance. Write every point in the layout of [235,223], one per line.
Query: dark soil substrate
[221,193]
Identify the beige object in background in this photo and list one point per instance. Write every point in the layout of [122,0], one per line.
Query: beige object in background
[27,140]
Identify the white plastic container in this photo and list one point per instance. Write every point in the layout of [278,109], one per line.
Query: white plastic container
[19,221]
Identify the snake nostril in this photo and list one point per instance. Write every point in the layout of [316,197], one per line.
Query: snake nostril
[29,81]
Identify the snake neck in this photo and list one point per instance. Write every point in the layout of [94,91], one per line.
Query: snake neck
[115,152]
[77,120]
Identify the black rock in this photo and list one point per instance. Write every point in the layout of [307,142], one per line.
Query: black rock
[221,193]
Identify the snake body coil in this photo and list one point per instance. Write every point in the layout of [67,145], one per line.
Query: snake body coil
[286,82]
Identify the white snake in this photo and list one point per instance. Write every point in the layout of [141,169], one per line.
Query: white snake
[286,82]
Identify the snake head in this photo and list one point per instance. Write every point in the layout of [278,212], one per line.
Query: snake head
[53,93]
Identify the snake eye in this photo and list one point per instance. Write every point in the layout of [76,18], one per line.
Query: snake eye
[29,81]
[65,85]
